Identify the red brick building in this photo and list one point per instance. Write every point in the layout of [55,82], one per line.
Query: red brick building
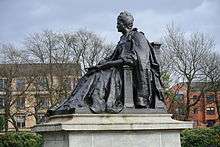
[207,104]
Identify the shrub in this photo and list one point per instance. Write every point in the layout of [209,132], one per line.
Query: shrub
[22,139]
[201,137]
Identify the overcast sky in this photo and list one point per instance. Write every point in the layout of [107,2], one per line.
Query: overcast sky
[18,18]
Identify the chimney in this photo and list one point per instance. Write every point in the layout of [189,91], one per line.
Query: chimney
[157,51]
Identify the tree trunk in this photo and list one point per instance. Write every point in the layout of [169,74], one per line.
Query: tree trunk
[217,104]
[187,113]
[6,118]
[15,124]
[186,117]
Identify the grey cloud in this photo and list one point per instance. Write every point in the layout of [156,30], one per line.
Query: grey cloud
[18,18]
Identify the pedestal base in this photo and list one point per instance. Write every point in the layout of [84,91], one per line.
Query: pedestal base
[112,130]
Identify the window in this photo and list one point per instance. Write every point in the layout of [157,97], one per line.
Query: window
[20,121]
[68,85]
[210,123]
[195,111]
[41,118]
[74,83]
[210,110]
[43,102]
[179,96]
[20,84]
[210,98]
[2,102]
[20,102]
[42,84]
[194,97]
[181,111]
[3,84]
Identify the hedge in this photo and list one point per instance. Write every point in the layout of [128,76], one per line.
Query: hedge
[21,139]
[201,137]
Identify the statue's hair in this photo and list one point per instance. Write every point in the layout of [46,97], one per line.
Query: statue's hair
[126,18]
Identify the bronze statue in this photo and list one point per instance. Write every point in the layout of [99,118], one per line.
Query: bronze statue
[101,88]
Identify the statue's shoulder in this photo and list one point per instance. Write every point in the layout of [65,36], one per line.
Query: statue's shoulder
[137,35]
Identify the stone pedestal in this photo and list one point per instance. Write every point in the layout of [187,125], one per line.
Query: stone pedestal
[112,130]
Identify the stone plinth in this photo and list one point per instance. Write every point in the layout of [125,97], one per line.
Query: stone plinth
[112,130]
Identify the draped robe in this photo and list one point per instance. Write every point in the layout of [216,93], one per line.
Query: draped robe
[101,88]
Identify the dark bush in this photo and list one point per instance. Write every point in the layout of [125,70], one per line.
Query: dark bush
[201,137]
[22,139]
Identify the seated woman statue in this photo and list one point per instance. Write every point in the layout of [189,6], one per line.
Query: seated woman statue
[101,88]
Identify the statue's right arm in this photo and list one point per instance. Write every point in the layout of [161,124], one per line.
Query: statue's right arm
[110,63]
[110,57]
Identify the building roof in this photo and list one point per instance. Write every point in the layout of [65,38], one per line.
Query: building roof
[20,70]
[197,86]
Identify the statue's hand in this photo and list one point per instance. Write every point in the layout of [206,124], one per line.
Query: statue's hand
[92,68]
[105,65]
[102,62]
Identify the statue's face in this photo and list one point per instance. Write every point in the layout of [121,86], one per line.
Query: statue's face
[120,26]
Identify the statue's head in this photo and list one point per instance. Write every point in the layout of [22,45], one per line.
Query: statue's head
[124,21]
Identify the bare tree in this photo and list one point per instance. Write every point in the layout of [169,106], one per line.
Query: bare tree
[211,70]
[59,51]
[53,50]
[185,56]
[91,48]
[10,69]
[54,55]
